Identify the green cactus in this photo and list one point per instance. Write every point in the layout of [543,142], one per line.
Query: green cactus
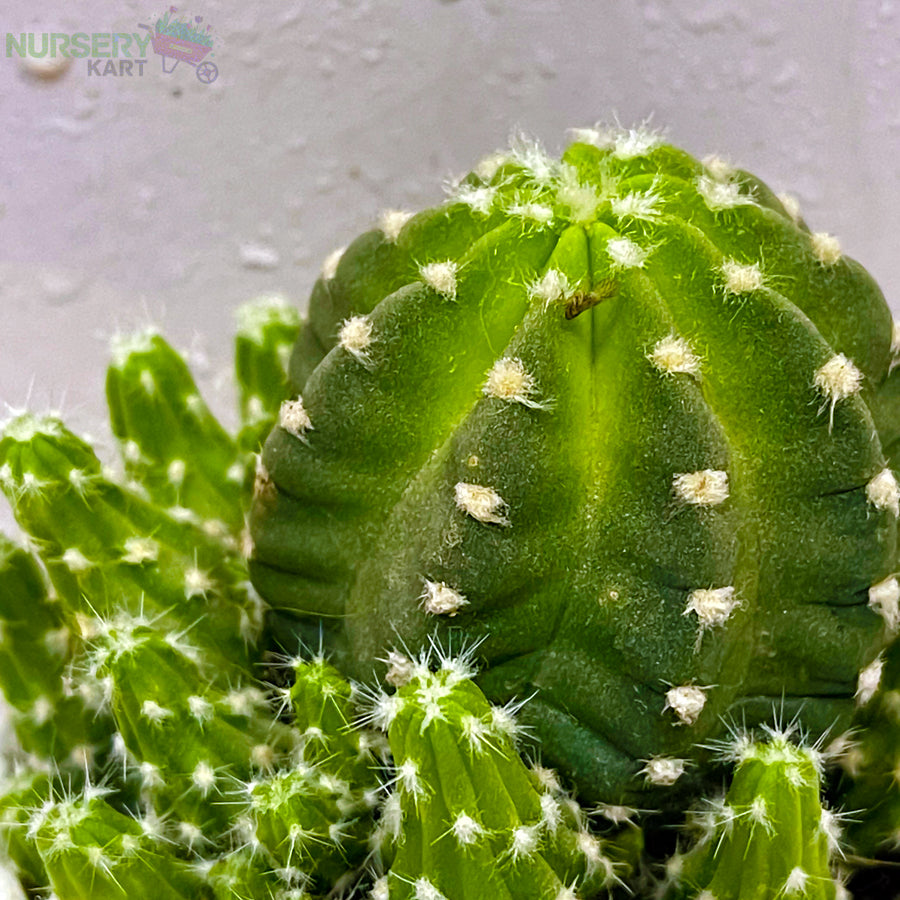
[543,414]
[768,837]
[538,422]
[469,820]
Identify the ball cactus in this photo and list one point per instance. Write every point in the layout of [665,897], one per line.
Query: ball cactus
[622,419]
[566,478]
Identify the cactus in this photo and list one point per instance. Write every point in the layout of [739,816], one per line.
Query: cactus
[608,423]
[769,836]
[544,414]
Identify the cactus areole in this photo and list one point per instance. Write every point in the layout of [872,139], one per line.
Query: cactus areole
[621,420]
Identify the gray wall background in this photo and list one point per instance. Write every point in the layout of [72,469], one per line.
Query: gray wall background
[159,199]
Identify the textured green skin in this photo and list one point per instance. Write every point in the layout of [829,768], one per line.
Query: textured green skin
[267,329]
[154,403]
[740,857]
[872,761]
[83,653]
[128,858]
[581,599]
[488,782]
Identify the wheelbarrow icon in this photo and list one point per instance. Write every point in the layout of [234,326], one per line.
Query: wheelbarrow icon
[180,50]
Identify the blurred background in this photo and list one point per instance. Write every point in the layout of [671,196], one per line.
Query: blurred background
[171,197]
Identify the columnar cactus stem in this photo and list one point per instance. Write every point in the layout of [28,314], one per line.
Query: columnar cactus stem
[91,850]
[468,818]
[107,548]
[36,643]
[769,837]
[267,329]
[171,443]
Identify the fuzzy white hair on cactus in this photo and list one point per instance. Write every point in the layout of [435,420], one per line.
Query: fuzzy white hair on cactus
[330,263]
[466,830]
[883,492]
[837,380]
[708,487]
[391,223]
[884,598]
[869,681]
[293,418]
[478,199]
[355,336]
[742,278]
[637,205]
[713,606]
[826,248]
[673,355]
[719,195]
[482,503]
[552,287]
[439,599]
[626,254]
[441,277]
[663,771]
[687,702]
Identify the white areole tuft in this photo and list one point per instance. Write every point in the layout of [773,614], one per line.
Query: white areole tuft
[481,503]
[441,277]
[673,355]
[708,487]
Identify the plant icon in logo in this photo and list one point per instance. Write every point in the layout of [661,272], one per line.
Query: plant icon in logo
[183,40]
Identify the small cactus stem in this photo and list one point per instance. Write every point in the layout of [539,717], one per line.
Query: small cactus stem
[673,355]
[171,719]
[90,849]
[355,336]
[170,440]
[439,599]
[742,278]
[883,492]
[305,819]
[884,598]
[482,503]
[466,800]
[770,822]
[836,380]
[324,708]
[293,418]
[826,248]
[267,329]
[330,264]
[708,487]
[36,645]
[441,277]
[391,223]
[687,702]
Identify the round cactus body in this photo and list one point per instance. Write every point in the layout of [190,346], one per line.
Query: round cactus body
[622,419]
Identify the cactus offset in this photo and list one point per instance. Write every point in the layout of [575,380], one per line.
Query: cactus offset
[616,417]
